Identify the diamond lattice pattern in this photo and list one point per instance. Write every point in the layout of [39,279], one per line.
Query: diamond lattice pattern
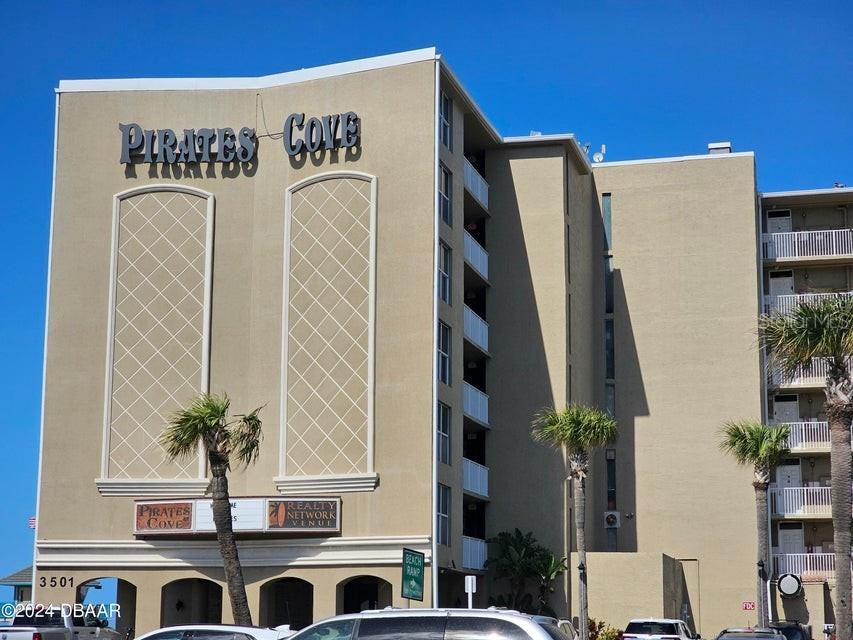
[328,328]
[158,335]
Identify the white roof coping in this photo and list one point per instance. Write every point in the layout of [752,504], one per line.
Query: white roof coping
[719,145]
[809,192]
[704,156]
[260,82]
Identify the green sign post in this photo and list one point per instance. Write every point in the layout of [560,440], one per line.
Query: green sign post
[413,575]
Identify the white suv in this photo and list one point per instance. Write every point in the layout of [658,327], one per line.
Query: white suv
[435,624]
[658,629]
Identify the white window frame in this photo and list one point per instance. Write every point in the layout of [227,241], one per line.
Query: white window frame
[444,351]
[445,195]
[444,426]
[443,515]
[446,121]
[445,270]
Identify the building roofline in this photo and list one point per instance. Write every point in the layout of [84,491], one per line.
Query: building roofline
[704,156]
[808,192]
[259,82]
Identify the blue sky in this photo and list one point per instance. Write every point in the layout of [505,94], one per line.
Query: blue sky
[645,78]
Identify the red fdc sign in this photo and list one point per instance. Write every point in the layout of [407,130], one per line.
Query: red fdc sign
[748,605]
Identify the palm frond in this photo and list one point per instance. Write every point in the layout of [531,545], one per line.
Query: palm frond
[751,443]
[823,328]
[577,427]
[246,437]
[195,424]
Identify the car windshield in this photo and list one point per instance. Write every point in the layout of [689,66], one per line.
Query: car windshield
[45,618]
[792,633]
[652,628]
[554,631]
[748,635]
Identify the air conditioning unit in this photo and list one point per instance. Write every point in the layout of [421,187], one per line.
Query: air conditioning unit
[611,520]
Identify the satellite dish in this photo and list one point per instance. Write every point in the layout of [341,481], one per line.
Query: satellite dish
[597,156]
[789,584]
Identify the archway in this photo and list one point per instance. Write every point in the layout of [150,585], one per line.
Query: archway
[190,601]
[363,592]
[102,592]
[287,601]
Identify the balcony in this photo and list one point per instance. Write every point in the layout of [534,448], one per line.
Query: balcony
[808,436]
[475,404]
[787,303]
[810,376]
[801,502]
[474,553]
[476,185]
[809,566]
[807,245]
[476,329]
[476,256]
[475,478]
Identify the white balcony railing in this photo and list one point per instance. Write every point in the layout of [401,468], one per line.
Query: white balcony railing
[812,566]
[800,501]
[473,553]
[476,256]
[811,375]
[808,244]
[787,303]
[476,185]
[476,329]
[475,478]
[808,435]
[475,403]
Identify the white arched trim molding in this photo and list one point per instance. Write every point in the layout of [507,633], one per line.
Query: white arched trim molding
[143,487]
[287,481]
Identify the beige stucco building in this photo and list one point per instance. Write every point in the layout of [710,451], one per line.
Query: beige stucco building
[357,249]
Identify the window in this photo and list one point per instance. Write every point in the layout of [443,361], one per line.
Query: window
[443,515]
[445,196]
[608,285]
[331,630]
[609,356]
[445,267]
[652,628]
[470,628]
[443,427]
[444,353]
[410,627]
[607,220]
[446,121]
[610,398]
[611,479]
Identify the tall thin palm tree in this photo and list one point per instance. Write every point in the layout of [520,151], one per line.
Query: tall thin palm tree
[577,430]
[762,447]
[206,423]
[824,329]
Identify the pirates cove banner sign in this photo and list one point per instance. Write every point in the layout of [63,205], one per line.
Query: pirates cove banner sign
[226,145]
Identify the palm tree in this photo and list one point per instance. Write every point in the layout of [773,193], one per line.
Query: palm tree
[206,423]
[763,447]
[824,329]
[577,430]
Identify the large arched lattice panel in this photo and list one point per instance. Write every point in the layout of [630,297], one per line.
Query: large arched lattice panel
[157,352]
[327,363]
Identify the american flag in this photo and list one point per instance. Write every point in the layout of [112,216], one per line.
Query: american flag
[31,523]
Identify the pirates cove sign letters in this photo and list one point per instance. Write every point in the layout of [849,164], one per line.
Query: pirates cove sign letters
[226,145]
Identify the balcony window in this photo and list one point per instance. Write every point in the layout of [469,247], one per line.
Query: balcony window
[609,355]
[443,428]
[445,266]
[443,515]
[444,353]
[607,220]
[445,196]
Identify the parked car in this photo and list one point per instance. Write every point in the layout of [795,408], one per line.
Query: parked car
[44,622]
[435,624]
[217,632]
[792,630]
[750,633]
[658,628]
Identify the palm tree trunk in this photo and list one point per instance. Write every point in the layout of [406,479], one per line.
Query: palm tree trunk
[763,559]
[579,487]
[221,505]
[838,414]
